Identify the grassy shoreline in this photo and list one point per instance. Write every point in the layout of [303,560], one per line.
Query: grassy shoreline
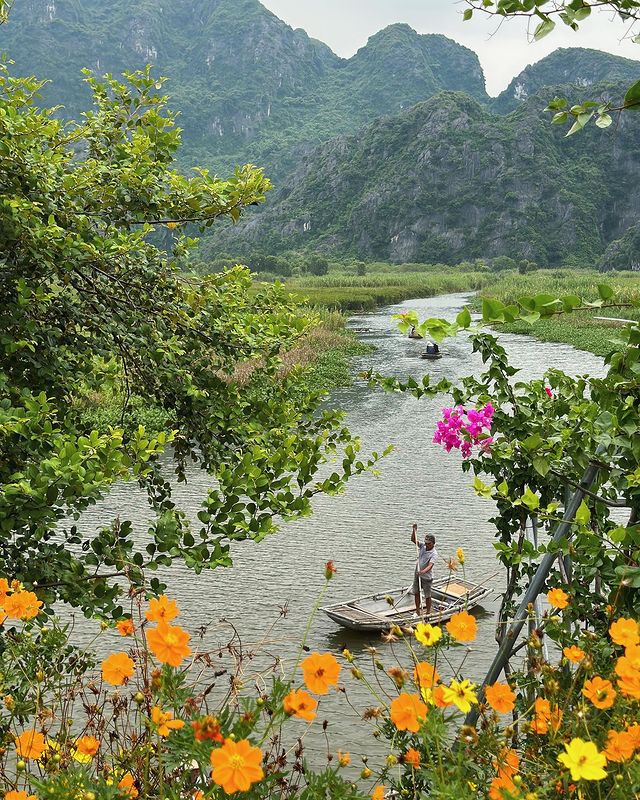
[580,329]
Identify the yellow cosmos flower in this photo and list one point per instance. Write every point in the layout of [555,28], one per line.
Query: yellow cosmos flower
[428,635]
[584,760]
[460,555]
[460,694]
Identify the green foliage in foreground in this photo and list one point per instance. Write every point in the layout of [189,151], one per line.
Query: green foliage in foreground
[91,305]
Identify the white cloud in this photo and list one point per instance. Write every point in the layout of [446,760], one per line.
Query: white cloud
[345,25]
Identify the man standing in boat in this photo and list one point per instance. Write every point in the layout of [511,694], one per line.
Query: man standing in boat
[423,578]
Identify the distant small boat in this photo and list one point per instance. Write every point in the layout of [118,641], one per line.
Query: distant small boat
[378,612]
[415,336]
[431,356]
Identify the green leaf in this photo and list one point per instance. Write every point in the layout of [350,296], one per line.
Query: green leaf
[583,515]
[541,465]
[492,310]
[481,488]
[605,292]
[543,29]
[467,14]
[560,118]
[632,97]
[530,499]
[603,120]
[464,318]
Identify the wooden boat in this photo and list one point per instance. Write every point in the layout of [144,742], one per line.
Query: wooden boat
[414,336]
[431,356]
[378,612]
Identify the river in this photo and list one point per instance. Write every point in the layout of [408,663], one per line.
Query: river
[365,531]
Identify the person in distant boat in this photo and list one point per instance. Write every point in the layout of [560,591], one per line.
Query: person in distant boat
[423,578]
[432,349]
[412,332]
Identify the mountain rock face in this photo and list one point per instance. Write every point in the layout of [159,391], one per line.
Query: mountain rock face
[396,153]
[447,180]
[248,87]
[575,66]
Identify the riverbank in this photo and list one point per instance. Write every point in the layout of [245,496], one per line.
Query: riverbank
[581,329]
[346,292]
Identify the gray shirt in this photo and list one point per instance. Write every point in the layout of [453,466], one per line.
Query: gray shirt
[425,558]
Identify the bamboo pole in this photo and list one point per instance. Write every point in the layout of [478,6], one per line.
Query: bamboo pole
[563,528]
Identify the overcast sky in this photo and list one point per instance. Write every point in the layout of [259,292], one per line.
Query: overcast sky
[345,25]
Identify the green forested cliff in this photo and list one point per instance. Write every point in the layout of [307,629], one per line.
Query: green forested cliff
[358,166]
[248,87]
[448,180]
[574,66]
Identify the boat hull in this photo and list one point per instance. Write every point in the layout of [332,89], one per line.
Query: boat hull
[381,611]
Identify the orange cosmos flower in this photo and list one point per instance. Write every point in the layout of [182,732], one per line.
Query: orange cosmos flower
[620,746]
[30,744]
[117,668]
[629,685]
[164,721]
[85,749]
[169,643]
[625,632]
[463,627]
[573,654]
[558,598]
[378,793]
[125,627]
[425,675]
[503,787]
[162,609]
[500,697]
[600,692]
[344,759]
[22,605]
[128,784]
[634,732]
[412,758]
[300,704]
[4,590]
[508,763]
[207,728]
[439,698]
[545,716]
[236,765]
[14,794]
[407,711]
[320,671]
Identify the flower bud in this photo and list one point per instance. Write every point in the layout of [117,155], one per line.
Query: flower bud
[365,773]
[21,765]
[329,570]
[392,760]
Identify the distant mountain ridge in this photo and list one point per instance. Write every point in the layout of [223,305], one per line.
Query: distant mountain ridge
[397,152]
[448,180]
[248,86]
[576,66]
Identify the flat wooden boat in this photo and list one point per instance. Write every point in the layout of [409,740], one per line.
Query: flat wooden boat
[415,336]
[431,356]
[378,612]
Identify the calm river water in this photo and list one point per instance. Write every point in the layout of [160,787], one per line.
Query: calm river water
[365,531]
